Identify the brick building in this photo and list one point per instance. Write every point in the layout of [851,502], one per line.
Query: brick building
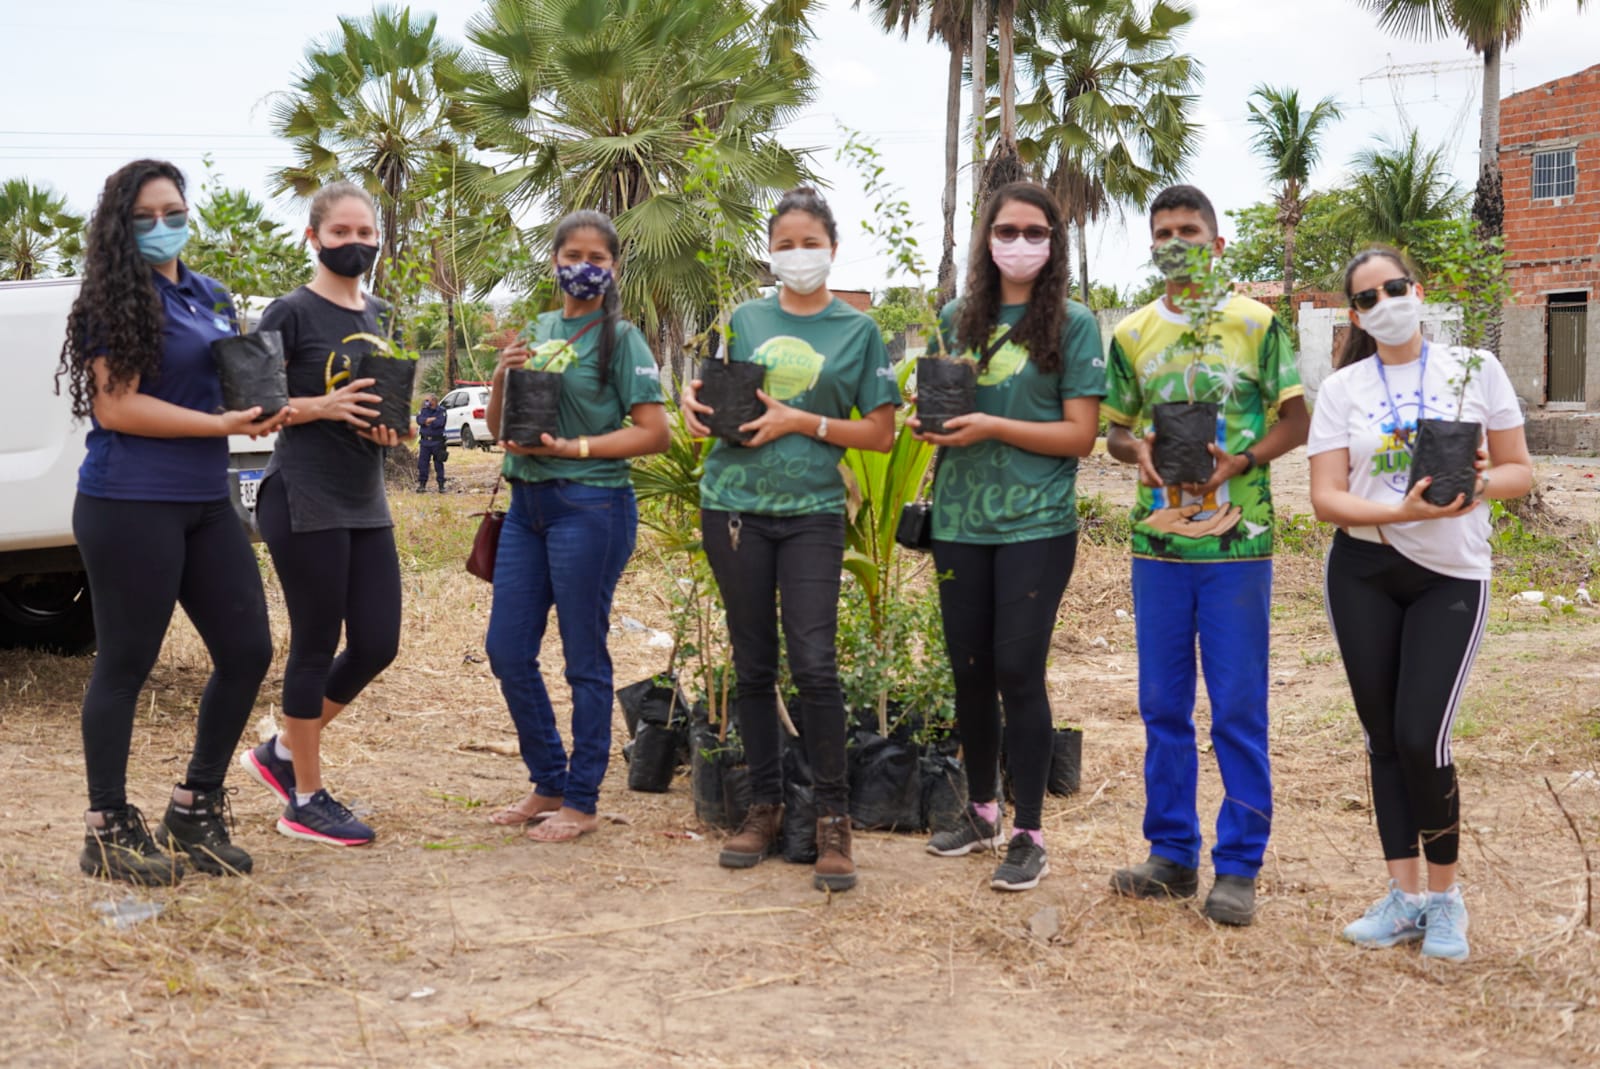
[1550,160]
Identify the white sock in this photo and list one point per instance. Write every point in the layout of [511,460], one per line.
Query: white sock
[301,798]
[1419,899]
[279,749]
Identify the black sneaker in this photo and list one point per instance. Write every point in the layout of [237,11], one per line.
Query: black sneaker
[200,830]
[123,850]
[1232,901]
[971,832]
[323,820]
[1156,877]
[1025,865]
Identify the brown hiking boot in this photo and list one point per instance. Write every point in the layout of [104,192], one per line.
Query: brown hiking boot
[756,839]
[835,871]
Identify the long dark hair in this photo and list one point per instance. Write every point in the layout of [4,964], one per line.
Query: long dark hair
[117,314]
[1358,344]
[611,303]
[808,200]
[1039,330]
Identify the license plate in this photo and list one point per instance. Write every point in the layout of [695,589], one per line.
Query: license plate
[249,483]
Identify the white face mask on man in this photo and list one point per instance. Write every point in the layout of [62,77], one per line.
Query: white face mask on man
[1394,320]
[802,270]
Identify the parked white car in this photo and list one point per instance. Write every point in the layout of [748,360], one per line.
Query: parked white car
[44,595]
[466,411]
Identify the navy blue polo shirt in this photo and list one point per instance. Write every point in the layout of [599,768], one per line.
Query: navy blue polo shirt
[129,467]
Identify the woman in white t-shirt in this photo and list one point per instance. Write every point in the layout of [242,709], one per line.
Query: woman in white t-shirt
[1408,581]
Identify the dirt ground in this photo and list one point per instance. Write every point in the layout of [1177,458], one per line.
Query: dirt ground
[452,942]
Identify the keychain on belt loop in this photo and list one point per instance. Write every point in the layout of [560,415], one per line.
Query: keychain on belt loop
[735,525]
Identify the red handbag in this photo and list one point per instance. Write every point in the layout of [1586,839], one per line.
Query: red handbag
[480,562]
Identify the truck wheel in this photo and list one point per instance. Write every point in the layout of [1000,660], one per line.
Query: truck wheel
[47,612]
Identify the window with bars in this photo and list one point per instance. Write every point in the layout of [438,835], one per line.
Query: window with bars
[1555,174]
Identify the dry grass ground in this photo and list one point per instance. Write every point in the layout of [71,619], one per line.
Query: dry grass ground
[451,942]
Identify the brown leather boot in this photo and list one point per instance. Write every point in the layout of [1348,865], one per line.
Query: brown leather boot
[835,871]
[756,839]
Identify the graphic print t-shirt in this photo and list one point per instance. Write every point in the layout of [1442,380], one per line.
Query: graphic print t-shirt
[587,406]
[1352,413]
[828,364]
[992,493]
[1247,366]
[335,479]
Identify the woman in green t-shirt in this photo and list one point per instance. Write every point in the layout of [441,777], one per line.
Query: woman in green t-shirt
[773,520]
[1005,520]
[571,525]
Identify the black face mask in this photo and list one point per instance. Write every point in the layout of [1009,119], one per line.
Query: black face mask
[352,259]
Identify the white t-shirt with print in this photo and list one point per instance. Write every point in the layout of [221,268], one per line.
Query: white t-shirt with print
[1353,414]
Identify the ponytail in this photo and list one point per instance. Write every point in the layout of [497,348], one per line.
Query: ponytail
[610,314]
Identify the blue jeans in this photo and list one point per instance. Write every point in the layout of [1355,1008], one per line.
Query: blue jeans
[1228,605]
[563,544]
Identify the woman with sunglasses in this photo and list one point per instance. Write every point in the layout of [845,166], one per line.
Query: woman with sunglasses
[773,521]
[1005,518]
[1408,581]
[154,524]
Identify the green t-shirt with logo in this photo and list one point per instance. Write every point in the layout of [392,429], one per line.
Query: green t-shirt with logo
[1247,366]
[829,364]
[589,407]
[992,493]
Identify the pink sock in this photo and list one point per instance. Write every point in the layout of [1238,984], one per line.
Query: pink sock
[1036,836]
[989,811]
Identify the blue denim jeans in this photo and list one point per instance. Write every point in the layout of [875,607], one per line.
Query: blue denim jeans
[563,544]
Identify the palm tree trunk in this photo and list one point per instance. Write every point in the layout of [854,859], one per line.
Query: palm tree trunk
[1288,268]
[979,56]
[1488,206]
[450,369]
[1007,17]
[1083,259]
[952,161]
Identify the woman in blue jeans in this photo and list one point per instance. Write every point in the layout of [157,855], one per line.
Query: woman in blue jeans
[571,526]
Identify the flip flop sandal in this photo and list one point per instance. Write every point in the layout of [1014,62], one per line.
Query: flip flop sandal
[513,817]
[557,831]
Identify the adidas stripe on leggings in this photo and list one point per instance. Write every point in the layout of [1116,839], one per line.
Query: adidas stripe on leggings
[1408,636]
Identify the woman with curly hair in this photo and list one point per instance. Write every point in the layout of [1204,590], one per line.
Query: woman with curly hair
[154,524]
[1005,517]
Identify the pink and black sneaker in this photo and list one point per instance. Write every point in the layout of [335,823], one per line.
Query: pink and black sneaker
[323,820]
[270,770]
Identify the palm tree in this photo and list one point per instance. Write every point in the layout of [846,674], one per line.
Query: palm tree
[38,236]
[369,104]
[597,105]
[1286,137]
[1490,27]
[1398,185]
[1108,117]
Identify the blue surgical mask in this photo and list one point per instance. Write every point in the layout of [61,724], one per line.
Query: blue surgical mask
[162,243]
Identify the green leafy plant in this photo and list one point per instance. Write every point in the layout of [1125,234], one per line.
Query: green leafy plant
[727,242]
[1468,270]
[235,242]
[1202,302]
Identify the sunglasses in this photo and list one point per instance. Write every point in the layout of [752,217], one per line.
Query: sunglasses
[1395,287]
[1034,235]
[144,224]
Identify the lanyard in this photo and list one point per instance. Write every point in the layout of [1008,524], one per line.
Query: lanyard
[1401,435]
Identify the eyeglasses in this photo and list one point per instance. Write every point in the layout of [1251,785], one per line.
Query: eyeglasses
[1034,235]
[1395,287]
[144,224]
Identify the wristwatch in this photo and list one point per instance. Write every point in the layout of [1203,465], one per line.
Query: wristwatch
[822,428]
[1249,462]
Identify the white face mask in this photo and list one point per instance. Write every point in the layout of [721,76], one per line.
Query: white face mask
[802,270]
[1394,320]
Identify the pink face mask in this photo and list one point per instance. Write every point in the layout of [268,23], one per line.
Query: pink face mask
[1019,260]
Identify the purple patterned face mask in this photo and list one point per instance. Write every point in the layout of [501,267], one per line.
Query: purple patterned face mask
[583,281]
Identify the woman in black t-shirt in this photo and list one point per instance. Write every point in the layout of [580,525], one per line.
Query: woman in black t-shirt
[324,516]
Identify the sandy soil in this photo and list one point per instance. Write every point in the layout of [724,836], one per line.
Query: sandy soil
[450,942]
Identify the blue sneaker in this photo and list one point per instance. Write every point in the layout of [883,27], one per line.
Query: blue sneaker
[323,820]
[270,770]
[1444,920]
[1391,920]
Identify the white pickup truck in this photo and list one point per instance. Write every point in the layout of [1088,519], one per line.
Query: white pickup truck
[44,596]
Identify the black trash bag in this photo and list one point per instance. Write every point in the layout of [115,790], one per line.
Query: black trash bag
[885,784]
[946,388]
[797,838]
[653,701]
[729,389]
[531,406]
[395,377]
[654,759]
[719,778]
[1446,449]
[253,372]
[944,790]
[1066,761]
[1184,430]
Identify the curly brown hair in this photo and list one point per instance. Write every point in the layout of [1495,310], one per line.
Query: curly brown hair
[1039,330]
[117,314]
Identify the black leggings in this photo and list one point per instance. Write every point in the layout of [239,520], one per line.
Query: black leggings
[144,557]
[345,578]
[999,607]
[1408,636]
[796,558]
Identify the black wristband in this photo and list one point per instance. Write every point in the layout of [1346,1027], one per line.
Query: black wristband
[1249,462]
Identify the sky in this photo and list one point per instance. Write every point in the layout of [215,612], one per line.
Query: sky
[113,80]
